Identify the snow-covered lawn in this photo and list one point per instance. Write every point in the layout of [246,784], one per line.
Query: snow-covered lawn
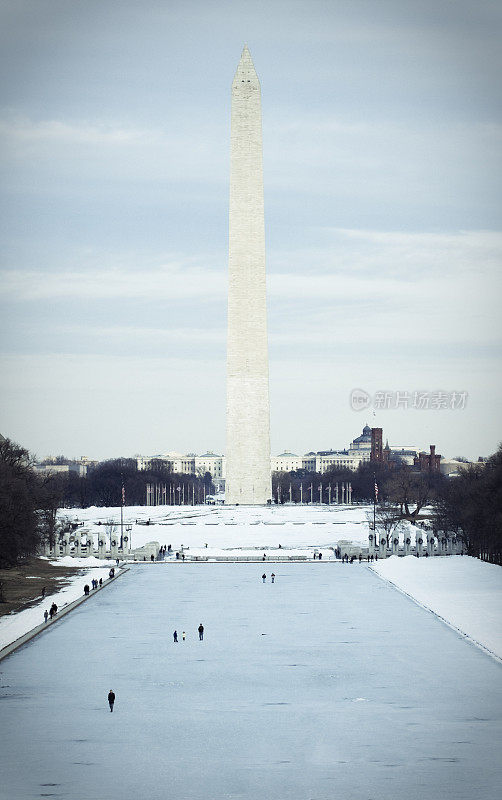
[220,527]
[465,592]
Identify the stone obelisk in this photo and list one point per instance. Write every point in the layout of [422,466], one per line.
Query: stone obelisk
[248,478]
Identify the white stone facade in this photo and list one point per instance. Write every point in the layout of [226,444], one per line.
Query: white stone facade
[248,478]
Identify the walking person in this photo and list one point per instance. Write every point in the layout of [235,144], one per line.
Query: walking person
[46,615]
[273,577]
[111,699]
[183,636]
[264,577]
[201,632]
[175,636]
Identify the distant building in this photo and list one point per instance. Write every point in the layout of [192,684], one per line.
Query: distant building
[286,462]
[376,454]
[360,447]
[189,464]
[360,451]
[80,467]
[428,462]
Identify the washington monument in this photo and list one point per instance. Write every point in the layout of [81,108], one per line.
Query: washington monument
[248,479]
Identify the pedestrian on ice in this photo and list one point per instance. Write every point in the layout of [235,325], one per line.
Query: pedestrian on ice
[319,556]
[183,636]
[264,577]
[111,699]
[43,592]
[46,615]
[201,632]
[175,636]
[273,577]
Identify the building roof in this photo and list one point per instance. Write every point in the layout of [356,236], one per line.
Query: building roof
[365,436]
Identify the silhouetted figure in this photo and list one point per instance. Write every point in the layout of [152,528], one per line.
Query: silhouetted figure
[264,577]
[273,577]
[111,699]
[175,636]
[201,632]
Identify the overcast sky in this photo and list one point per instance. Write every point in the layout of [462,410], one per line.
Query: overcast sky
[382,169]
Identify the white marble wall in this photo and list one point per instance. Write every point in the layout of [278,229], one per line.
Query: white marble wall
[248,478]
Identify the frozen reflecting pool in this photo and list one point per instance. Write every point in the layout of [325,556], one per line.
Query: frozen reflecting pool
[327,684]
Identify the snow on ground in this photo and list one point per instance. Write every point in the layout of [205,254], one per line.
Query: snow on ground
[16,624]
[465,592]
[220,527]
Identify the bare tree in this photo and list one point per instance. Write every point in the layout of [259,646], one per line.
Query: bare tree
[411,491]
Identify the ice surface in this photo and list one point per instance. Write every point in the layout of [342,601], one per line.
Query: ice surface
[464,591]
[327,684]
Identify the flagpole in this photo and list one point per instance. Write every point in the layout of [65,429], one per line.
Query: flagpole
[374,505]
[122,515]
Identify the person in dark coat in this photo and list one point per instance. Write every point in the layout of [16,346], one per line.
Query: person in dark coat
[273,577]
[175,636]
[201,632]
[264,577]
[111,699]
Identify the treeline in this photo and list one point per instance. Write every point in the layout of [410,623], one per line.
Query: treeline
[103,485]
[297,485]
[28,505]
[471,507]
